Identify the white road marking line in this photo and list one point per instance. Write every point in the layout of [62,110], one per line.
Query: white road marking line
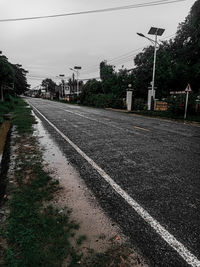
[140,128]
[169,238]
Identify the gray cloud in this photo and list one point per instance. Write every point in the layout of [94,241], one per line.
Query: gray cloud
[49,47]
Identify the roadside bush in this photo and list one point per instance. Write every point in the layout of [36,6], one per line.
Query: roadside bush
[139,104]
[177,105]
[103,101]
[6,106]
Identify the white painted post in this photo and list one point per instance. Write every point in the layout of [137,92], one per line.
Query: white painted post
[129,99]
[151,94]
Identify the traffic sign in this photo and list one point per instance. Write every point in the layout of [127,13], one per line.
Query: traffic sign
[188,88]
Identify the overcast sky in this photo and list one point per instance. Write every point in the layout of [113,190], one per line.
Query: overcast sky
[49,47]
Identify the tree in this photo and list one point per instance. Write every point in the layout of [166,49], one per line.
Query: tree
[49,85]
[187,49]
[6,71]
[91,87]
[143,71]
[20,81]
[178,60]
[106,71]
[13,75]
[108,77]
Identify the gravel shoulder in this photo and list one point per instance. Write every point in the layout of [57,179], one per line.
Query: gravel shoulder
[102,234]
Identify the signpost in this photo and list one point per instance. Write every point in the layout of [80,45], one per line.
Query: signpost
[187,90]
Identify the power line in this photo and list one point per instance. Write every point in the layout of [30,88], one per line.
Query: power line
[120,59]
[126,57]
[146,4]
[126,54]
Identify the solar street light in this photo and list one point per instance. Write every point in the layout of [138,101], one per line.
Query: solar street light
[157,32]
[76,69]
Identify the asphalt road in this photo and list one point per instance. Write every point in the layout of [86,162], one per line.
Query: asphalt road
[145,173]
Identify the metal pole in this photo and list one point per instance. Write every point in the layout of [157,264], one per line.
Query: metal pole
[186,104]
[77,84]
[73,83]
[63,85]
[154,64]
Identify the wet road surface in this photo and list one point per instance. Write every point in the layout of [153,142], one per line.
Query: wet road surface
[155,163]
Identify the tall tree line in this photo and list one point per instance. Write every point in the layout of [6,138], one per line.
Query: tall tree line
[178,60]
[13,75]
[178,63]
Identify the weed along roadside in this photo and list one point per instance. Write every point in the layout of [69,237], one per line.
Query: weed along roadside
[5,129]
[44,222]
[34,233]
[4,155]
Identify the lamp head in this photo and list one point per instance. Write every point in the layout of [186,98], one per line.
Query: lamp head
[140,34]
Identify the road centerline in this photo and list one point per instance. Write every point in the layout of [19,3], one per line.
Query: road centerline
[169,238]
[100,121]
[140,128]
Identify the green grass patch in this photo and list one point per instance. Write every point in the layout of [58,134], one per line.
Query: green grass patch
[116,256]
[7,106]
[167,115]
[81,239]
[23,118]
[37,233]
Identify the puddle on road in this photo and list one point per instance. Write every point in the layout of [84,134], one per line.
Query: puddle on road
[100,231]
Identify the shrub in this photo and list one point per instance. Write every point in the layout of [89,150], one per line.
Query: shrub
[103,101]
[139,104]
[177,105]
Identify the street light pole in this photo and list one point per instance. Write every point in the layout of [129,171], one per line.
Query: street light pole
[62,76]
[154,64]
[77,82]
[75,69]
[157,32]
[73,80]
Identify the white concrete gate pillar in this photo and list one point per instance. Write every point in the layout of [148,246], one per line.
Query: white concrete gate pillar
[151,98]
[129,99]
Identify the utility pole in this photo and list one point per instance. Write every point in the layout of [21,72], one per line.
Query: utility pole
[62,76]
[77,82]
[77,68]
[73,83]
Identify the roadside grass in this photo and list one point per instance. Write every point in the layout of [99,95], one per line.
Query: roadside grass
[6,107]
[159,114]
[115,256]
[167,115]
[36,233]
[22,117]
